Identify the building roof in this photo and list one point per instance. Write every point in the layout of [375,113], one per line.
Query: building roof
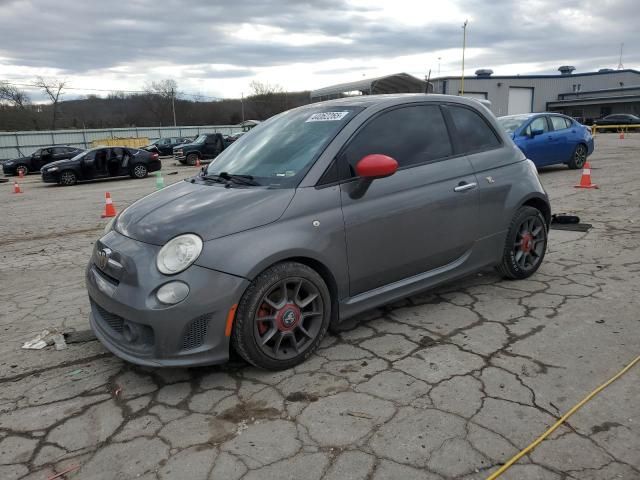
[507,77]
[397,83]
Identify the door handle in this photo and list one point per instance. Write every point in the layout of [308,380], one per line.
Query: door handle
[464,186]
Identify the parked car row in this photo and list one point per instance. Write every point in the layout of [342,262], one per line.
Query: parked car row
[38,159]
[545,138]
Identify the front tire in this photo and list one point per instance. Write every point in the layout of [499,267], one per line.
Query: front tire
[526,244]
[579,157]
[282,317]
[191,159]
[23,167]
[139,170]
[68,178]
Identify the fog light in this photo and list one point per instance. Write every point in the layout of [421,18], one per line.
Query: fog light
[172,292]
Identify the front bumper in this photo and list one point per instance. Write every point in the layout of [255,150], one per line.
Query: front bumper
[49,177]
[128,319]
[9,169]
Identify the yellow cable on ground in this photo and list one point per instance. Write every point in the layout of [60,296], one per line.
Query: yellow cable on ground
[563,419]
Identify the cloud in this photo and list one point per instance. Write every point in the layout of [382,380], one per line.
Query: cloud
[135,41]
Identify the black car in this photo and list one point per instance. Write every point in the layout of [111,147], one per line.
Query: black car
[164,146]
[103,162]
[38,159]
[205,147]
[619,119]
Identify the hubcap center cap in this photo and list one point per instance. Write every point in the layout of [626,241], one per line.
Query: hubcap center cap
[527,241]
[288,317]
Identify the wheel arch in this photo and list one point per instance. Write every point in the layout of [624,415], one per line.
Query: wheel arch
[541,205]
[321,269]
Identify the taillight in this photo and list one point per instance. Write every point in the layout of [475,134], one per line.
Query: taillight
[154,156]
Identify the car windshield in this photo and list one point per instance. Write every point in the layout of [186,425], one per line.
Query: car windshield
[200,139]
[280,151]
[512,123]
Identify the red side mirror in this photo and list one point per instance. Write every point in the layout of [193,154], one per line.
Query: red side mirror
[376,166]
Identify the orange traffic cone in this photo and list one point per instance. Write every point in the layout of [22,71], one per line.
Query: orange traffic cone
[197,163]
[585,179]
[16,188]
[109,209]
[621,134]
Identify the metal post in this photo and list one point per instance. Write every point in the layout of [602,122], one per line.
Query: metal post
[173,105]
[242,104]
[464,46]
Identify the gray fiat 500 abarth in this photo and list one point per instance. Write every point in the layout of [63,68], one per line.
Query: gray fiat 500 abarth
[317,214]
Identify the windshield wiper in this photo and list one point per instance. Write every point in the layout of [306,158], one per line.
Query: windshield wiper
[241,179]
[213,178]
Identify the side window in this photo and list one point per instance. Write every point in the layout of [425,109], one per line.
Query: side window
[558,123]
[411,135]
[472,130]
[539,123]
[59,150]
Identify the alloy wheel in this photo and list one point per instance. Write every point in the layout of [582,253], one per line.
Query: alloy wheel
[580,156]
[140,171]
[288,319]
[67,178]
[530,243]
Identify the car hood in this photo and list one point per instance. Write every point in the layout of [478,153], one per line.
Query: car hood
[211,211]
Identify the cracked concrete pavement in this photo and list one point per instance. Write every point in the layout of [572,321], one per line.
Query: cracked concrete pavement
[447,384]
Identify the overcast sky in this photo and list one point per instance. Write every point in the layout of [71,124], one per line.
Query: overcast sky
[217,47]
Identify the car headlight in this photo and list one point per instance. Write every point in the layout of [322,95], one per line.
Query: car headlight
[52,169]
[178,253]
[109,226]
[9,164]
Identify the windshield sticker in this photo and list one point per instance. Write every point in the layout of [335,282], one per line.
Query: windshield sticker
[327,117]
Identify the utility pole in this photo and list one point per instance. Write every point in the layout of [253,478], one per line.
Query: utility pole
[242,105]
[464,46]
[439,58]
[173,106]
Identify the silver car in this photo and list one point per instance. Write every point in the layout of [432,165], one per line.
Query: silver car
[315,215]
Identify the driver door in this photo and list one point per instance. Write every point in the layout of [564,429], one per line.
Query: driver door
[540,148]
[418,219]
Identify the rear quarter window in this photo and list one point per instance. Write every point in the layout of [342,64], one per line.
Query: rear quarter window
[473,133]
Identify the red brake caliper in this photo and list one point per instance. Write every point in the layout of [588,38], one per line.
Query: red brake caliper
[263,326]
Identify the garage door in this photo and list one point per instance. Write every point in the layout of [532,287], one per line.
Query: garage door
[520,100]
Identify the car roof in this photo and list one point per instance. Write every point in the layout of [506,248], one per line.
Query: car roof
[367,101]
[536,114]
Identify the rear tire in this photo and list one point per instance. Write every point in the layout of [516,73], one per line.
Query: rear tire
[191,159]
[139,170]
[22,167]
[579,157]
[282,317]
[525,245]
[68,178]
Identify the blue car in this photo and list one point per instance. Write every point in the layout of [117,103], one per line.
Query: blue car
[550,138]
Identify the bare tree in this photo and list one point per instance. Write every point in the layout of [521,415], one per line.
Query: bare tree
[161,96]
[53,89]
[267,99]
[13,95]
[264,88]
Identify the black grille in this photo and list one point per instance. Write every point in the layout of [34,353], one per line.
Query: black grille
[115,322]
[196,333]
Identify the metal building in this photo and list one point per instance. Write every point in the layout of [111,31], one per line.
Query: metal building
[397,83]
[584,96]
